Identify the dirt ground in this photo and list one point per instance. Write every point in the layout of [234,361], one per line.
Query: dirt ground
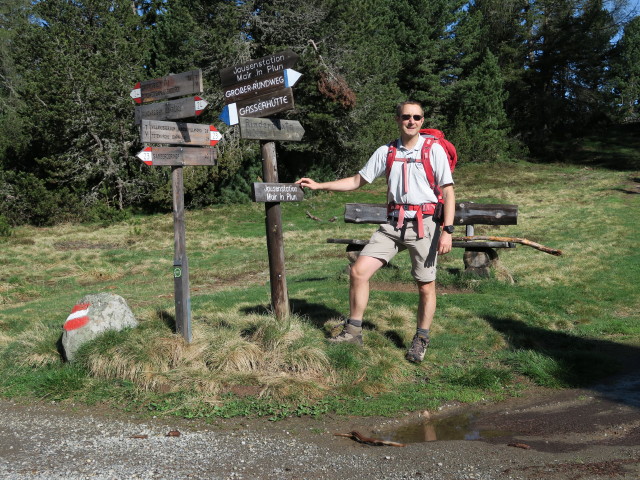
[578,434]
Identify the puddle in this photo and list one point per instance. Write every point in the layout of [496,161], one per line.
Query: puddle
[454,427]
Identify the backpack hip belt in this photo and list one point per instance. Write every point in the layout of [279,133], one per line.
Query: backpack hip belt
[423,210]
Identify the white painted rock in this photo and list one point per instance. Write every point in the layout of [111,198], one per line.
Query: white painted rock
[93,315]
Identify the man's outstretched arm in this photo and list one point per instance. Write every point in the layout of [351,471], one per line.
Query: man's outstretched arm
[343,185]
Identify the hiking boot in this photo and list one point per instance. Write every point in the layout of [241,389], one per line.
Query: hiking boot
[349,334]
[418,348]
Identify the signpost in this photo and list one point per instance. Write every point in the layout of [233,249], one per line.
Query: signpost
[261,106]
[154,130]
[240,91]
[252,90]
[179,133]
[178,156]
[277,192]
[270,129]
[171,109]
[254,69]
[171,86]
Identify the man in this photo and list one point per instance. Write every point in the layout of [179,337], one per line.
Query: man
[410,224]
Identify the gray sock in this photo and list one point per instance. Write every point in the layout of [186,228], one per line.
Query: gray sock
[355,323]
[423,332]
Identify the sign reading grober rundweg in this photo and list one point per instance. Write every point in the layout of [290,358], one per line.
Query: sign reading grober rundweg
[277,192]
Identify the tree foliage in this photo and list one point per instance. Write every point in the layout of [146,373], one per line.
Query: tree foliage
[498,76]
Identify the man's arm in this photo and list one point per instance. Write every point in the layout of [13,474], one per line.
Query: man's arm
[343,185]
[444,244]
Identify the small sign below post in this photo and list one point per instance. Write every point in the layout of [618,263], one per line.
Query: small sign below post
[277,192]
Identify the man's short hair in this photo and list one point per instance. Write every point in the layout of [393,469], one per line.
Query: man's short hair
[407,102]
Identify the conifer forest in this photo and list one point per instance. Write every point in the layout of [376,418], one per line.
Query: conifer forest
[506,80]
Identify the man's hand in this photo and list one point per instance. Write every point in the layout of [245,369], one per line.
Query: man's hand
[308,183]
[444,244]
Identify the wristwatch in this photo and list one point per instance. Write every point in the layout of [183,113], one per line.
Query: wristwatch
[448,228]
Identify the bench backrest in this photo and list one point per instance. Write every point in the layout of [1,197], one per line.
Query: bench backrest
[467,213]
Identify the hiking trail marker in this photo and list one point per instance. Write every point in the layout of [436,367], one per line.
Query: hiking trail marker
[192,144]
[254,90]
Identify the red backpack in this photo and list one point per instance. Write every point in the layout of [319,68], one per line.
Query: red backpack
[431,136]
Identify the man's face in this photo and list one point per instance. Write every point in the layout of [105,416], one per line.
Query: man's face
[410,120]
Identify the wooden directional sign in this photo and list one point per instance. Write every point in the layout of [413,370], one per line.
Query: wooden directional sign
[260,86]
[171,109]
[178,156]
[262,106]
[277,192]
[171,86]
[153,131]
[261,67]
[270,129]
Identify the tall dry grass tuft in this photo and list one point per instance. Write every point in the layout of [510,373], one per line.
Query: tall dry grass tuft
[36,346]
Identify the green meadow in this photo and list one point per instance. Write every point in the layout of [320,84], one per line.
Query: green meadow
[538,320]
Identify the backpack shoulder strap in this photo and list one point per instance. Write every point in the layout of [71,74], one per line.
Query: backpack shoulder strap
[391,156]
[425,159]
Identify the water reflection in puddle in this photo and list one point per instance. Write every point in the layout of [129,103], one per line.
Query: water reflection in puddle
[455,427]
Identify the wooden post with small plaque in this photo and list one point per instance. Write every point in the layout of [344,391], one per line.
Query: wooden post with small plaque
[191,144]
[254,90]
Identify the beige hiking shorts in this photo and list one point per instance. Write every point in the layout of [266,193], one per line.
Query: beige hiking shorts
[388,240]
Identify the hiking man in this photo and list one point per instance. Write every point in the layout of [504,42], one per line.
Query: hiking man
[411,205]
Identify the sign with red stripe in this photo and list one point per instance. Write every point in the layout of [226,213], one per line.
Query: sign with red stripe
[178,156]
[179,133]
[79,317]
[171,86]
[171,109]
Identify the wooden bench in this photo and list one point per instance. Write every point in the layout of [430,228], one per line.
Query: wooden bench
[479,255]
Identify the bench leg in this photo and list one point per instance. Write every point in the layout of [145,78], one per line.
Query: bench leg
[353,252]
[479,260]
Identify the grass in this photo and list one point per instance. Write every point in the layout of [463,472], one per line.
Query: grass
[539,320]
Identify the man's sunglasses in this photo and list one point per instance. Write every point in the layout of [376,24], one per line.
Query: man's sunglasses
[406,116]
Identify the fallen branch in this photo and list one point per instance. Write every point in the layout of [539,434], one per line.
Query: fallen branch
[313,217]
[523,241]
[358,437]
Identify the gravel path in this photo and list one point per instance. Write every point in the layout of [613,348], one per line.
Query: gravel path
[576,434]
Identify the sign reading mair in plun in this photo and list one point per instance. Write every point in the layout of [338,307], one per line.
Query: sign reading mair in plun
[92,316]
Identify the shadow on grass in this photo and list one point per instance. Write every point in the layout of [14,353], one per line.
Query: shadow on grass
[578,362]
[168,319]
[317,313]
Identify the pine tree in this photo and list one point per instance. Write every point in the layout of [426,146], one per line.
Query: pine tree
[481,126]
[625,72]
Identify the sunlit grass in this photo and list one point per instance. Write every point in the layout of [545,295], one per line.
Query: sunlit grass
[538,319]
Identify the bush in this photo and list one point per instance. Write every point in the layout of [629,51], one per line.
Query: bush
[5,227]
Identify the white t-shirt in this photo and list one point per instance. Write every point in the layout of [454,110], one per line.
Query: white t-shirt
[419,191]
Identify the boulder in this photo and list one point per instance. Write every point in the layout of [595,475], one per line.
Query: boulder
[91,316]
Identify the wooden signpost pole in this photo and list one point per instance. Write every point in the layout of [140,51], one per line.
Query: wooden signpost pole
[254,90]
[275,242]
[180,262]
[192,144]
